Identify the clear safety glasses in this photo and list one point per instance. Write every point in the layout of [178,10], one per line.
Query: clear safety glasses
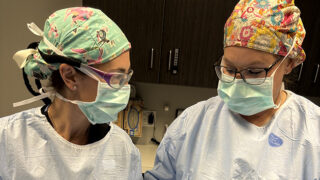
[115,80]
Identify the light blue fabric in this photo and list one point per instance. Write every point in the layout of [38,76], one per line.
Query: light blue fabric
[208,141]
[31,149]
[108,103]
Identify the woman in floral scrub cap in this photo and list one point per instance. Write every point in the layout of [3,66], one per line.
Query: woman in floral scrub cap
[254,128]
[85,56]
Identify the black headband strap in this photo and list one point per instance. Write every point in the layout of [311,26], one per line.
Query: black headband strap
[60,59]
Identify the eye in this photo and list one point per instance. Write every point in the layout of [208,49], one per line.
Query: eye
[117,78]
[255,71]
[228,71]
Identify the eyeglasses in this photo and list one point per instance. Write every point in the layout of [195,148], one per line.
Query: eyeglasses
[253,76]
[115,80]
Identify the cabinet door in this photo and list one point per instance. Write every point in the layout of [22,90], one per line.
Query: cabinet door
[309,83]
[141,21]
[313,80]
[195,27]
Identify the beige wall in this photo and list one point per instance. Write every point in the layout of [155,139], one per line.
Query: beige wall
[155,96]
[14,35]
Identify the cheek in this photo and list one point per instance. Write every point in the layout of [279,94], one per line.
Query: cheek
[277,83]
[88,90]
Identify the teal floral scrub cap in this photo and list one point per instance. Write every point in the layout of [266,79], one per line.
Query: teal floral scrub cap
[84,34]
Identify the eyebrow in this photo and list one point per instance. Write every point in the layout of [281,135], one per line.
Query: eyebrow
[248,65]
[121,70]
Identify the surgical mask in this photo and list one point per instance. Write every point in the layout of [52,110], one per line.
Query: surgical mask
[108,103]
[247,99]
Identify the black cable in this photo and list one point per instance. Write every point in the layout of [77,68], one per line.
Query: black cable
[38,83]
[60,59]
[27,83]
[155,141]
[46,101]
[151,118]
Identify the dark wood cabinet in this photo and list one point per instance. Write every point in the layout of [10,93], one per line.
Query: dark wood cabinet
[305,79]
[141,21]
[195,29]
[178,41]
[158,27]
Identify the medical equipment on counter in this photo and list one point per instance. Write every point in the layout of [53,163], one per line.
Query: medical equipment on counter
[130,119]
[133,120]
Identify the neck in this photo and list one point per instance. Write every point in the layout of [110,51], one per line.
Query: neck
[264,117]
[69,121]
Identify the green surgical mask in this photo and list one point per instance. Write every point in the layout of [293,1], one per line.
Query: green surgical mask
[109,102]
[247,99]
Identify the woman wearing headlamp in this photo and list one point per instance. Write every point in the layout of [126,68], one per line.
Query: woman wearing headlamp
[254,129]
[85,55]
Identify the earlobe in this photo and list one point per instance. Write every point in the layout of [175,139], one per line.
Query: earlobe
[68,74]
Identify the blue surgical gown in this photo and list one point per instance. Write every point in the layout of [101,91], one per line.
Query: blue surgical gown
[208,141]
[31,149]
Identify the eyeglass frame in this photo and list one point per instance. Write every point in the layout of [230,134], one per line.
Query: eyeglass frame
[242,77]
[106,76]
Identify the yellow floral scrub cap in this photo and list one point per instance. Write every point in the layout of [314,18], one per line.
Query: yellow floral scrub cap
[267,25]
[85,35]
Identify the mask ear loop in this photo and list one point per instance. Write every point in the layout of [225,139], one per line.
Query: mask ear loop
[83,68]
[291,48]
[43,94]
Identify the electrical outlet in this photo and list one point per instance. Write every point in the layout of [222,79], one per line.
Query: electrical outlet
[148,118]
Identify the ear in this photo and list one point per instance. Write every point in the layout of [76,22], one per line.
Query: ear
[69,76]
[289,66]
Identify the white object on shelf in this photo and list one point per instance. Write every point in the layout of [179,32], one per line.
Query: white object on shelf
[166,108]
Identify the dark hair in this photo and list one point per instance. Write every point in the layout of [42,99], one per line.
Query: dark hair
[46,101]
[57,81]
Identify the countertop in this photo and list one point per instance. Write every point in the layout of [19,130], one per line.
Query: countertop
[148,154]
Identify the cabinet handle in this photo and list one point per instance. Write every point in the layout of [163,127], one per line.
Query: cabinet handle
[175,61]
[300,72]
[317,72]
[169,62]
[151,60]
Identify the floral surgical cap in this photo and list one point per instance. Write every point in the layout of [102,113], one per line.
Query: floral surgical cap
[84,34]
[267,25]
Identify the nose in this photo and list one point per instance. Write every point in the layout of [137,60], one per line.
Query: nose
[238,75]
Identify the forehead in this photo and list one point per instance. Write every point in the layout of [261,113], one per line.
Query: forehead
[120,63]
[245,57]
